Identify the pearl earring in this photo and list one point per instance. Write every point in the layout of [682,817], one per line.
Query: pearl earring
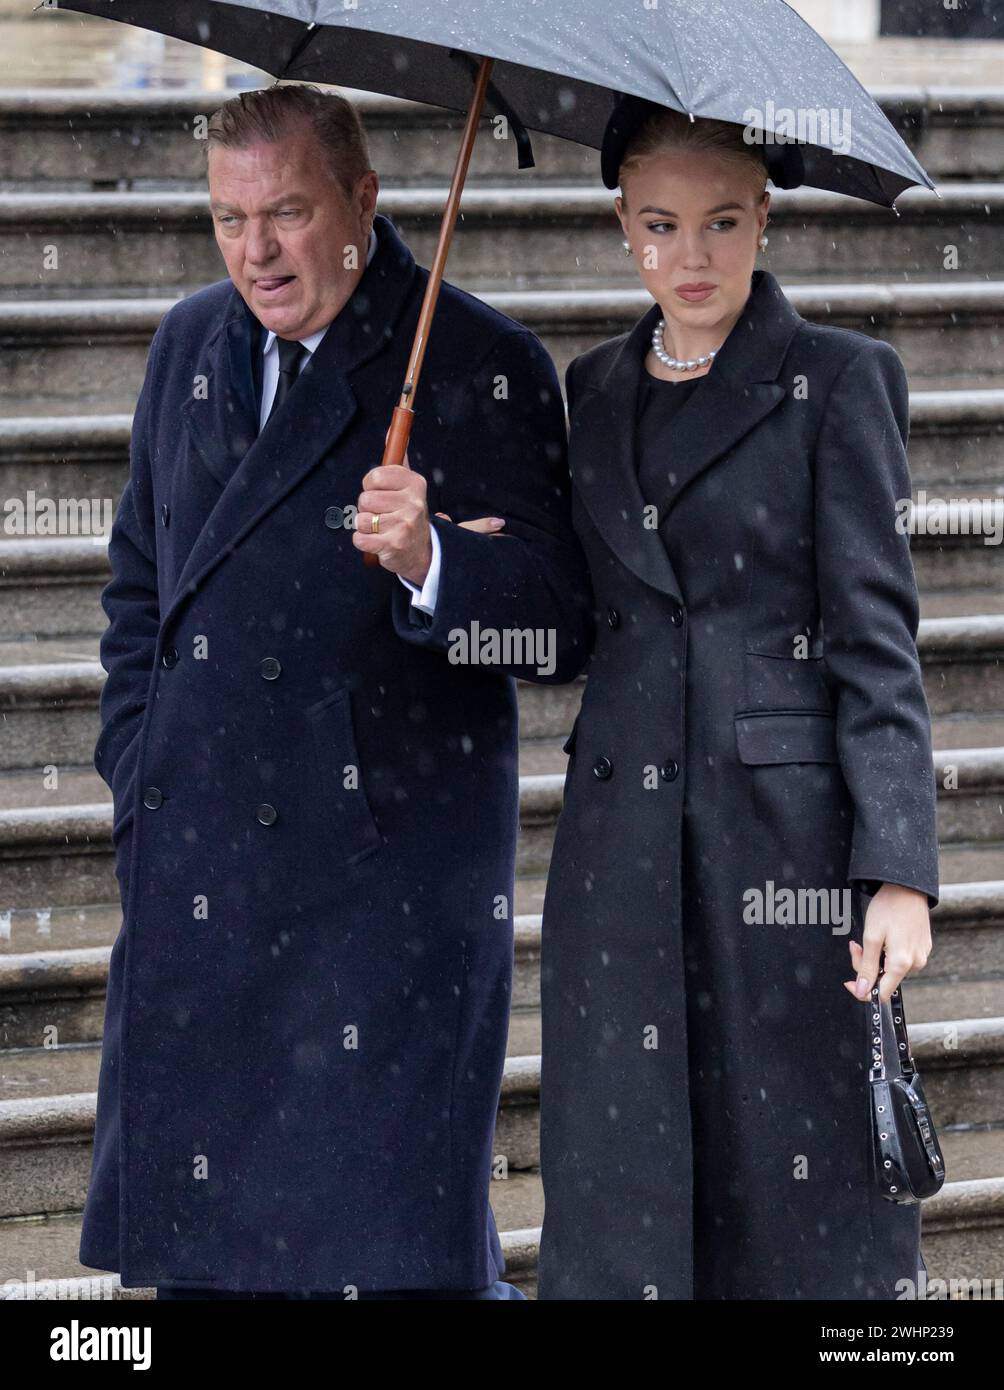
[627,247]
[763,243]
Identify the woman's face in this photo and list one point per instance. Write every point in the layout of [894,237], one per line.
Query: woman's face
[693,220]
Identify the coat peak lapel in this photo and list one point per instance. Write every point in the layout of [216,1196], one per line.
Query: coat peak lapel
[221,415]
[737,393]
[256,470]
[601,451]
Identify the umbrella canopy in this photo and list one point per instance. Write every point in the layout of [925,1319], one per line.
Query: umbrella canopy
[561,66]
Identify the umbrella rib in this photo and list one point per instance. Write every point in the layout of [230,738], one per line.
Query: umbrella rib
[305,39]
[686,101]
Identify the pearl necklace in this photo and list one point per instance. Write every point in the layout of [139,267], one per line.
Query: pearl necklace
[676,363]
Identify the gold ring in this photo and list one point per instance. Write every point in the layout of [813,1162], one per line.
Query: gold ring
[374,523]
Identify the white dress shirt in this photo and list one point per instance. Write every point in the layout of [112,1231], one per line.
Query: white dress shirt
[423,598]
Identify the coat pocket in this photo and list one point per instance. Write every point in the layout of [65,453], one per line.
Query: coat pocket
[786,736]
[354,831]
[776,683]
[123,786]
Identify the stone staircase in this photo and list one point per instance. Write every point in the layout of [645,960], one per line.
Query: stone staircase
[115,181]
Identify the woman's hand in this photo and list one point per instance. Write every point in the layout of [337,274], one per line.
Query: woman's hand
[487,525]
[897,922]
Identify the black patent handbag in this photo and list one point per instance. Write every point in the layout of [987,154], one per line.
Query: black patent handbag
[906,1152]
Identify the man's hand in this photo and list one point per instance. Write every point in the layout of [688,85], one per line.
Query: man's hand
[403,544]
[897,923]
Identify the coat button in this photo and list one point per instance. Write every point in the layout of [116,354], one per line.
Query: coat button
[613,617]
[267,814]
[669,770]
[152,797]
[270,668]
[603,768]
[170,657]
[165,513]
[334,517]
[676,615]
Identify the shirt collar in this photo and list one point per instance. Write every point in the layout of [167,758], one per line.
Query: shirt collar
[313,339]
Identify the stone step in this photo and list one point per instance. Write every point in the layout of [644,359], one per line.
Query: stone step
[45,679]
[59,930]
[38,1255]
[962,1232]
[57,852]
[146,244]
[963,1225]
[47,1133]
[971,862]
[960,603]
[968,930]
[954,437]
[63,952]
[82,138]
[956,550]
[54,970]
[968,731]
[961,664]
[64,357]
[86,456]
[52,717]
[50,585]
[50,691]
[47,1128]
[50,713]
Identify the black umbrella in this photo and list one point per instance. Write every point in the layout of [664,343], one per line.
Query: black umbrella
[565,67]
[559,66]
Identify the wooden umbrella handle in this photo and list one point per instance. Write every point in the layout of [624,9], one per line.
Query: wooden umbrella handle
[404,412]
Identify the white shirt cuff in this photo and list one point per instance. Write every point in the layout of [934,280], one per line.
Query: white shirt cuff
[425,598]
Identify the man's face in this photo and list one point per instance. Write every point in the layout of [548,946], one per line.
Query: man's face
[286,230]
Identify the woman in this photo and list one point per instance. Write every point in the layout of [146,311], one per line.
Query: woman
[753,722]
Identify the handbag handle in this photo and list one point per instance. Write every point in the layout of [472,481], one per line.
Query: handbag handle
[905,1056]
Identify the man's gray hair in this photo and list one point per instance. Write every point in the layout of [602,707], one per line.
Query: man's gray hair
[273,112]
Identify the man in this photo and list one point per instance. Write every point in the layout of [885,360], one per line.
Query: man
[315,803]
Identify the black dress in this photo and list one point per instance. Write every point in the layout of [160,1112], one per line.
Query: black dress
[658,403]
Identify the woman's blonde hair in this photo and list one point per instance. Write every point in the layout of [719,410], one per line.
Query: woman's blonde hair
[668,130]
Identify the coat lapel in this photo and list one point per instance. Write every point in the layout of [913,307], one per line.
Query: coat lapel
[736,394]
[256,470]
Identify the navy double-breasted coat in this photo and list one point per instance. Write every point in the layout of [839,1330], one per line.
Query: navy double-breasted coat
[315,808]
[753,723]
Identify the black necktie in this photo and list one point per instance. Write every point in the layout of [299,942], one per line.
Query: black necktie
[291,354]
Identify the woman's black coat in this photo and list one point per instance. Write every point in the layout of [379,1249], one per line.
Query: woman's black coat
[753,721]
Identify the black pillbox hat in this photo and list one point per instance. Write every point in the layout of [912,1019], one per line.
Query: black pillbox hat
[785,166]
